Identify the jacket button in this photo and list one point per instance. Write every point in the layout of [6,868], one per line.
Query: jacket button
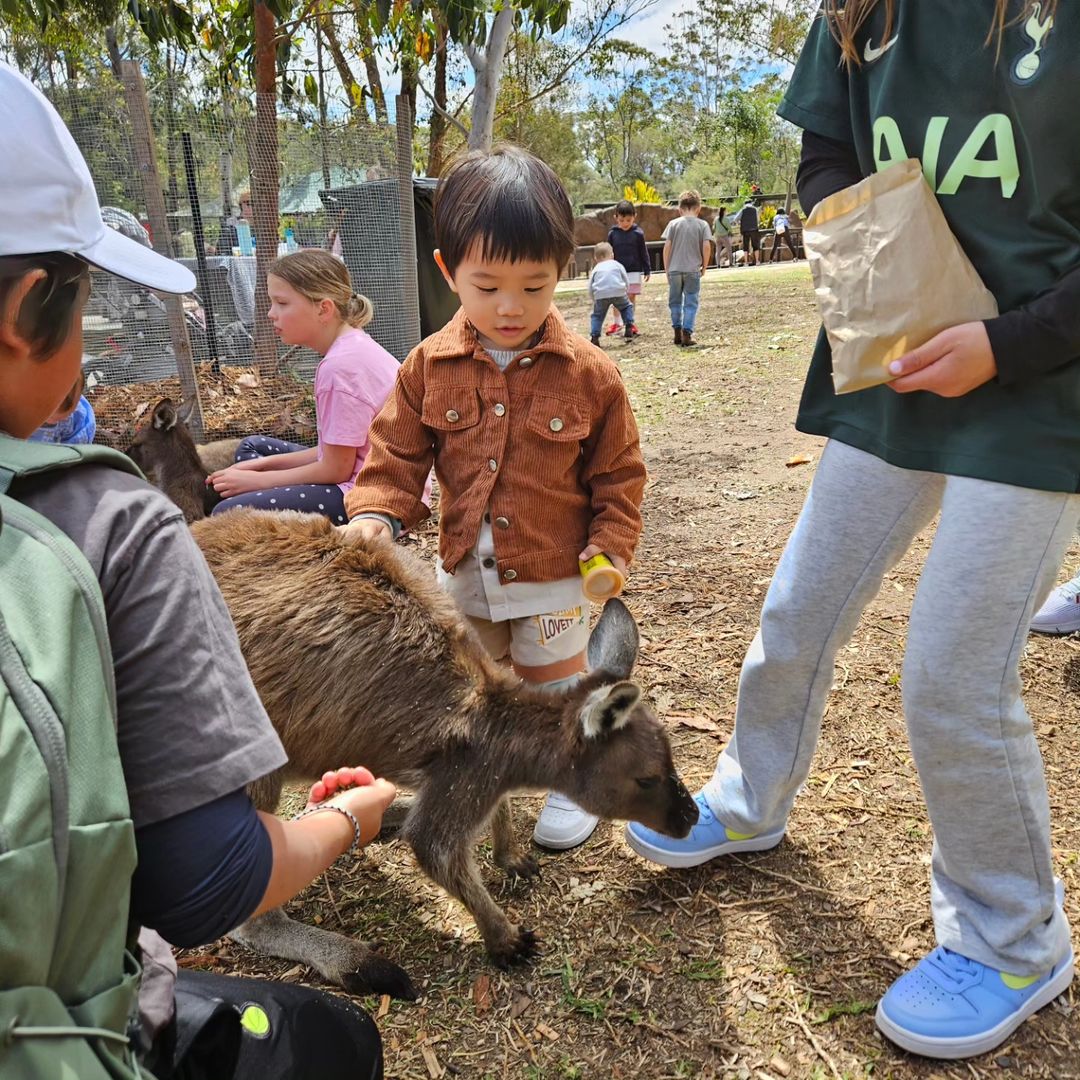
[452,415]
[503,523]
[500,409]
[509,575]
[487,564]
[556,424]
[526,361]
[493,465]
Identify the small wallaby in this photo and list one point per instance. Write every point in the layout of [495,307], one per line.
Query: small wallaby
[359,656]
[169,457]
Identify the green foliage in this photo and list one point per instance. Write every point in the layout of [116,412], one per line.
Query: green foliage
[594,1008]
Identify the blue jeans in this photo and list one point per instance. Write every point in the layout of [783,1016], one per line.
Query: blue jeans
[599,309]
[684,291]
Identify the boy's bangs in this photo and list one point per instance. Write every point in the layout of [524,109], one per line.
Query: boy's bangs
[503,206]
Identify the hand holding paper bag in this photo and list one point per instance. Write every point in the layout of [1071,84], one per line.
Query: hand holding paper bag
[890,277]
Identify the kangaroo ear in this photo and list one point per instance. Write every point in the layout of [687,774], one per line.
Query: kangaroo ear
[608,708]
[165,415]
[185,411]
[613,644]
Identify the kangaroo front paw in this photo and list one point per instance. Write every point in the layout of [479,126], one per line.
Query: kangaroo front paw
[522,946]
[378,976]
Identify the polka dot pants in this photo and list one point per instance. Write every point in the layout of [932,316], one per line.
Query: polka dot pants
[308,498]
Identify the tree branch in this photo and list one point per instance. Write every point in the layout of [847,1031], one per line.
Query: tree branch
[598,34]
[441,111]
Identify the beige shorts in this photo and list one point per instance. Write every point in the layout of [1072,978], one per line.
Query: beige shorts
[542,648]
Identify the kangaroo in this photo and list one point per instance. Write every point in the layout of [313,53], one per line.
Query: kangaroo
[165,451]
[359,656]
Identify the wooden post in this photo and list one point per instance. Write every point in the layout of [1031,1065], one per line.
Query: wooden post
[146,160]
[265,181]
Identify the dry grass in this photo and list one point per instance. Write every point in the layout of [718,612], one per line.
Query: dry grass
[757,967]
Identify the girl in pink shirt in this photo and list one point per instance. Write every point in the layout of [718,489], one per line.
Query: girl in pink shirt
[312,303]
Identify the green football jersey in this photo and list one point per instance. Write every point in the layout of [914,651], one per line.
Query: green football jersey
[991,128]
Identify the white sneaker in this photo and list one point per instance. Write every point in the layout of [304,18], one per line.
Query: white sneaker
[563,824]
[1061,612]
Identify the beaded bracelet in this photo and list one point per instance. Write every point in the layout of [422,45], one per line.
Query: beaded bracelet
[341,810]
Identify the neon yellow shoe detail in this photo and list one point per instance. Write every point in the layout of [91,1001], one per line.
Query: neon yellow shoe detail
[739,835]
[1018,982]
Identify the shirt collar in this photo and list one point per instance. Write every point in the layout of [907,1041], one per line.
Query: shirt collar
[458,339]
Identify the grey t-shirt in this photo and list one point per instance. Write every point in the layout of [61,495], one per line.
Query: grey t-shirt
[687,234]
[191,727]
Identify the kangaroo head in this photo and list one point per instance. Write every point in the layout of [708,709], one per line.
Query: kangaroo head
[162,439]
[622,766]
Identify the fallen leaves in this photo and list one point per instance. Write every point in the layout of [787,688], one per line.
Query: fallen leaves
[799,459]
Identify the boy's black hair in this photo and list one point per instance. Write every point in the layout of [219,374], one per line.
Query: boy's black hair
[625,208]
[507,200]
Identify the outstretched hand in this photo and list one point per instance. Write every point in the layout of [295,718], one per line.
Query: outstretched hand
[330,783]
[950,364]
[358,791]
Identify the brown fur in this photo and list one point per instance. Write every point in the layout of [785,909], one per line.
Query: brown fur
[165,451]
[360,657]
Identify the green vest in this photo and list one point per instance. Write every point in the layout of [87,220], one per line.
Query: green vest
[68,980]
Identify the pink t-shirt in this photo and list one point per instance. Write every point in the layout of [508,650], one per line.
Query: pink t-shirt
[351,384]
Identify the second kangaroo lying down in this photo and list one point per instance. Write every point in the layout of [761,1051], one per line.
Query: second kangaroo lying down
[360,657]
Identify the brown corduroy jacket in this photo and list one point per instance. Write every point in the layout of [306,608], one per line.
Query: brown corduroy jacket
[549,448]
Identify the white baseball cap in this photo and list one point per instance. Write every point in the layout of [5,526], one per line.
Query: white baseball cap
[48,201]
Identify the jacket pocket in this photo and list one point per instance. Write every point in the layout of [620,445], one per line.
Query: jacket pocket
[451,408]
[558,419]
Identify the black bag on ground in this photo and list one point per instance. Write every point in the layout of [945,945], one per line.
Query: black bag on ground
[249,1029]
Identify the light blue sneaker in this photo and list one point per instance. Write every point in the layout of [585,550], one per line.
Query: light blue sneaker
[951,1007]
[707,839]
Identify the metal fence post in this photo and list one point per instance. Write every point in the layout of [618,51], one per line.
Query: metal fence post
[410,298]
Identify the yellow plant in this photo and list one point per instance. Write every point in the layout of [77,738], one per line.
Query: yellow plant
[641,191]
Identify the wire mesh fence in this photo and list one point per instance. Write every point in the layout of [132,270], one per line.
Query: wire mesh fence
[178,176]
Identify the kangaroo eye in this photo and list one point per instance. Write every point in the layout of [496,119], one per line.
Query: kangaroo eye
[646,782]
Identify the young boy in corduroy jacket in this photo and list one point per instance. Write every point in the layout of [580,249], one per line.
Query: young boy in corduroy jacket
[529,428]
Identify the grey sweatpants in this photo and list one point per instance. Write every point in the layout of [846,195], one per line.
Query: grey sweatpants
[992,562]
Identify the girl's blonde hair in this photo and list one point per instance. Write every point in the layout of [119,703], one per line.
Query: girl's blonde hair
[847,17]
[318,275]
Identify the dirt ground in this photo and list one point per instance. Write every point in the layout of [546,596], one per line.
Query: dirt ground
[764,966]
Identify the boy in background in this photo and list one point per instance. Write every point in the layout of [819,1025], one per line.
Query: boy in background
[608,287]
[750,230]
[627,241]
[686,254]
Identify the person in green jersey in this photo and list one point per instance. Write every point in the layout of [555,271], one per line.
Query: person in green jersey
[981,424]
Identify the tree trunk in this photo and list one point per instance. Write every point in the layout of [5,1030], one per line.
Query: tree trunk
[264,180]
[410,76]
[113,47]
[348,80]
[487,64]
[437,126]
[371,66]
